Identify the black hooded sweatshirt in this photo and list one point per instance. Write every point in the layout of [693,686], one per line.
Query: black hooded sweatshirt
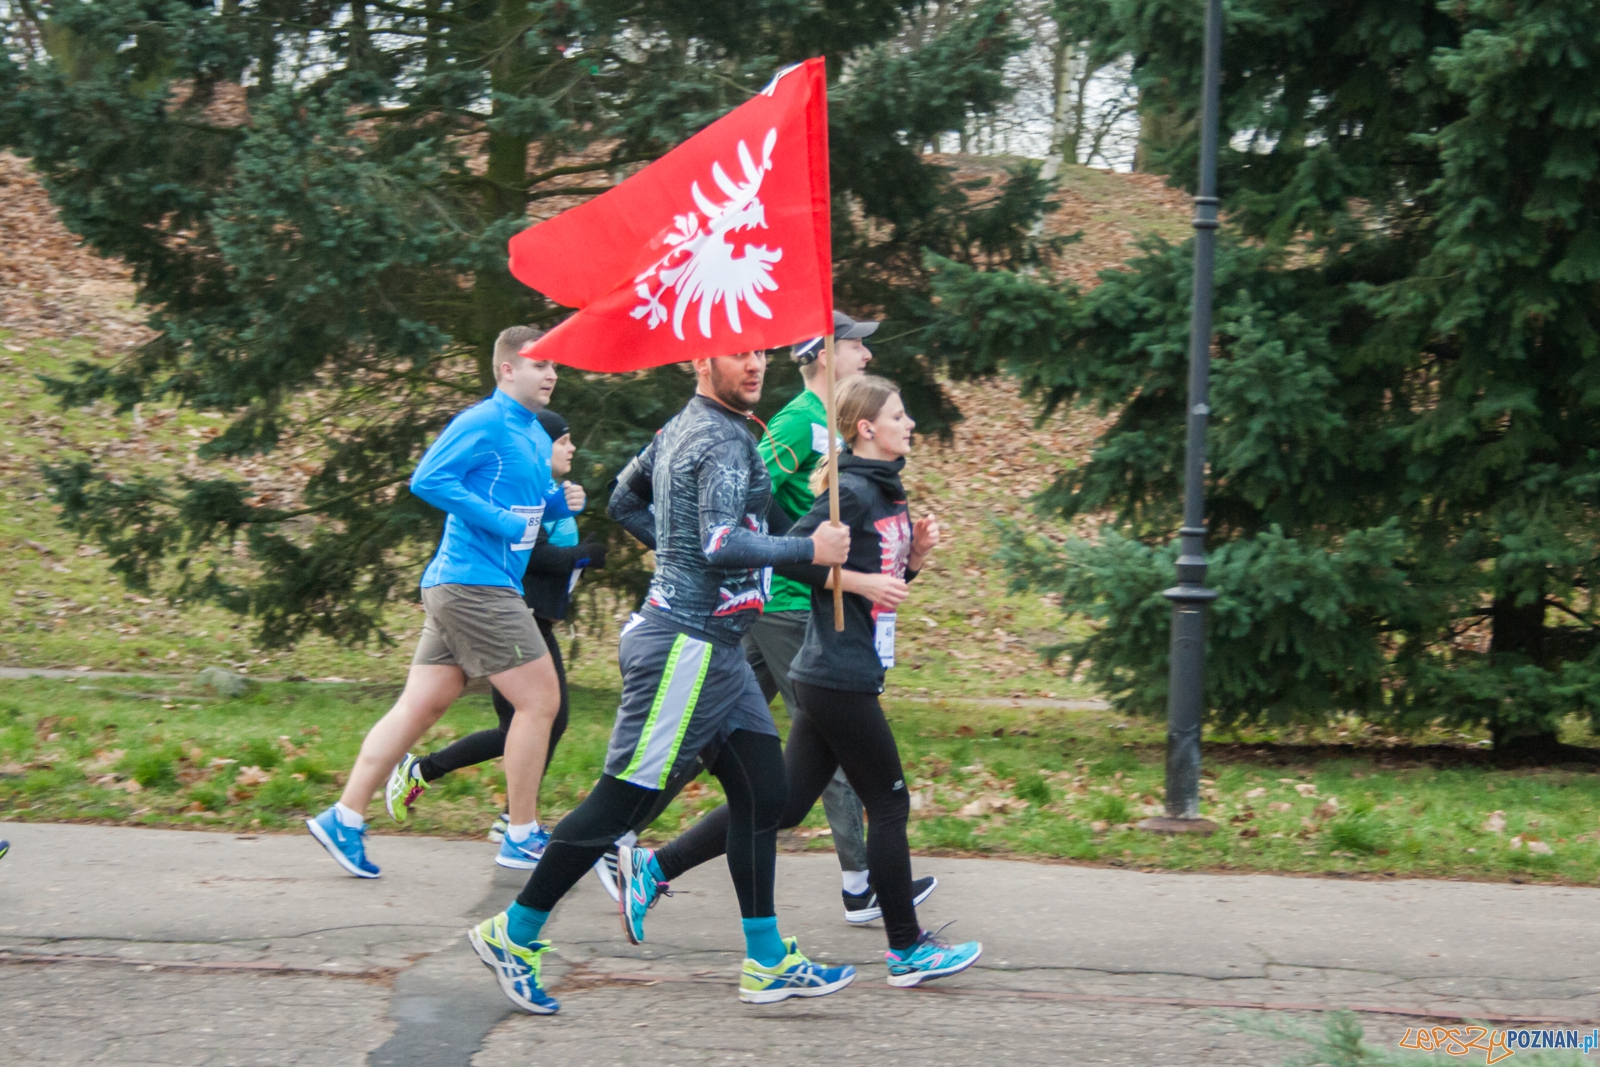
[872,504]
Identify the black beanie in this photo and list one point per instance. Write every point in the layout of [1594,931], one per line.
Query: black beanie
[553,424]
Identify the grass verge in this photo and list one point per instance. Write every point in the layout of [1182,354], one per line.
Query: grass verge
[1038,783]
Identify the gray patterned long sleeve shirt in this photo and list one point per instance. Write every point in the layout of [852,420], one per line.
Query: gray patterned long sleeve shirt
[698,495]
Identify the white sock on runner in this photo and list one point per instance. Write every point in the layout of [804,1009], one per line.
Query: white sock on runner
[855,882]
[628,840]
[520,831]
[349,816]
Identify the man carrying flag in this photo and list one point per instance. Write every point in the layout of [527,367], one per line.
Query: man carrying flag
[714,253]
[686,686]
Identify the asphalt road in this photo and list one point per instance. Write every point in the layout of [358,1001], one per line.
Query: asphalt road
[134,947]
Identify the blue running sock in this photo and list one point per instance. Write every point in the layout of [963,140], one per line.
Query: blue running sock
[762,943]
[525,924]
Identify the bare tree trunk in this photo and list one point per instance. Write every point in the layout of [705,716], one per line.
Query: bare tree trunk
[1063,137]
[496,296]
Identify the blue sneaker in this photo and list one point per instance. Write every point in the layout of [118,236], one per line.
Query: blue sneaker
[930,958]
[516,968]
[637,888]
[524,855]
[794,976]
[343,843]
[5,846]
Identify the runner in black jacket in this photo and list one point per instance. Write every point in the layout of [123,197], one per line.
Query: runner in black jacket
[838,676]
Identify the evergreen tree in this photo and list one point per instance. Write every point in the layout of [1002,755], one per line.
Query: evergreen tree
[1405,429]
[340,233]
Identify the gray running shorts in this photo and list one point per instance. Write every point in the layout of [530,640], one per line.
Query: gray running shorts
[483,629]
[680,694]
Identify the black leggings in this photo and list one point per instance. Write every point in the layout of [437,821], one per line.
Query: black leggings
[750,768]
[834,728]
[485,745]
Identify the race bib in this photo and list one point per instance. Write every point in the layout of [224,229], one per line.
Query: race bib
[532,513]
[883,638]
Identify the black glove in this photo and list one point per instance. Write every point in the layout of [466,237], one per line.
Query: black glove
[592,554]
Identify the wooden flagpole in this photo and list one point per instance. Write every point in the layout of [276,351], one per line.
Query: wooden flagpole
[833,480]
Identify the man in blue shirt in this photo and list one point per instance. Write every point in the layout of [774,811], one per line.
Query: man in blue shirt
[489,471]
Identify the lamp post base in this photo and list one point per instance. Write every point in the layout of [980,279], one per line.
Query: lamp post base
[1166,824]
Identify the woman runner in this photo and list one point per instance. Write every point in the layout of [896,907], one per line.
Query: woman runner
[838,677]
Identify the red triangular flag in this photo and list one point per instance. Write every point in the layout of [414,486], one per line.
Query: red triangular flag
[720,246]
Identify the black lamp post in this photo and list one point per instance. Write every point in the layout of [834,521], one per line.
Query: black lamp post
[1186,688]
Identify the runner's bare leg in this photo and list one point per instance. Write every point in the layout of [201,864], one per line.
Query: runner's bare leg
[429,692]
[535,692]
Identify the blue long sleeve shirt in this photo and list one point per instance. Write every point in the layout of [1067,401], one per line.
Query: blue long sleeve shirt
[489,471]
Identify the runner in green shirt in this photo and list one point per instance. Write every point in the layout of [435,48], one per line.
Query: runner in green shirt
[795,441]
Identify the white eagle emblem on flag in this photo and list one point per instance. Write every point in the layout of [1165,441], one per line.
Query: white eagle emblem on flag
[701,266]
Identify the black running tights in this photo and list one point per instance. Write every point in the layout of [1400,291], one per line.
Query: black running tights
[485,745]
[750,768]
[833,729]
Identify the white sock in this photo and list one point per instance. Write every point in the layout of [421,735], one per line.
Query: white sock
[628,840]
[349,816]
[855,882]
[519,832]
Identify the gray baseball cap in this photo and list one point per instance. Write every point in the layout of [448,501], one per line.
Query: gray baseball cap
[844,329]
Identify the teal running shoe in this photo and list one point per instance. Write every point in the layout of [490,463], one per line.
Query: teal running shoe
[515,967]
[523,855]
[405,788]
[346,845]
[5,846]
[794,976]
[930,958]
[637,888]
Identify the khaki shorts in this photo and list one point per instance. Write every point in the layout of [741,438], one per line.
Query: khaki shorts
[483,629]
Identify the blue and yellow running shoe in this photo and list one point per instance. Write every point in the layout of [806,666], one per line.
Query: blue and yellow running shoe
[930,958]
[516,968]
[523,855]
[405,788]
[638,889]
[5,846]
[795,976]
[345,844]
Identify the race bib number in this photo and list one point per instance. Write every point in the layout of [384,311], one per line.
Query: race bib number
[532,513]
[883,638]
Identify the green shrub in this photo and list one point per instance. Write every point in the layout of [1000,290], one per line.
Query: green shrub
[212,797]
[1357,832]
[1032,788]
[152,768]
[314,769]
[1123,759]
[261,752]
[284,794]
[946,831]
[1112,809]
